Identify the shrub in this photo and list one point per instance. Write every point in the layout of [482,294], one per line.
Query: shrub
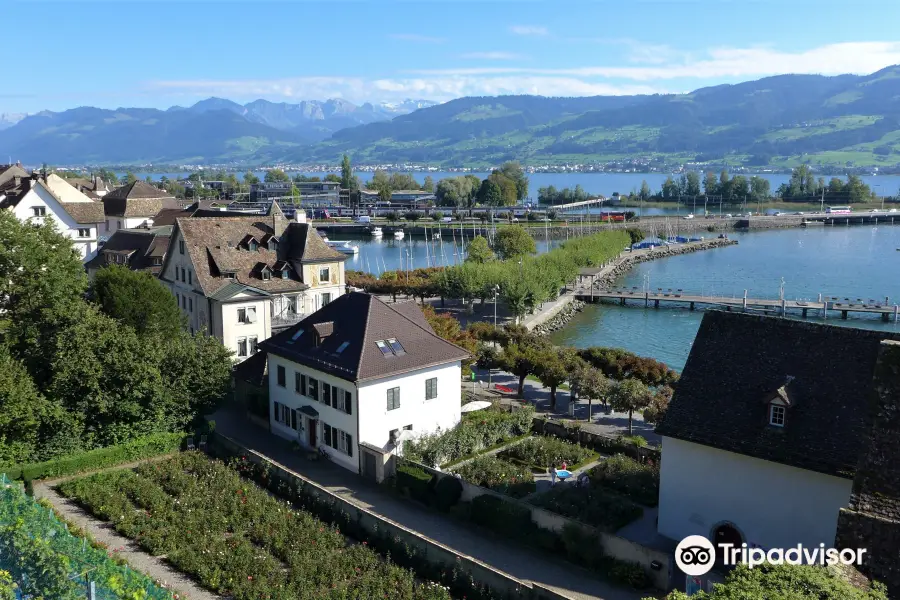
[499,475]
[502,516]
[146,447]
[640,482]
[627,573]
[544,451]
[437,215]
[416,481]
[635,440]
[594,506]
[447,493]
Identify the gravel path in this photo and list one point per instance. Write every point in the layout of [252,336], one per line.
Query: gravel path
[103,532]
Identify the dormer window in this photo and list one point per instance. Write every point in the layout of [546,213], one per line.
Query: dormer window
[252,246]
[776,415]
[265,274]
[285,274]
[249,242]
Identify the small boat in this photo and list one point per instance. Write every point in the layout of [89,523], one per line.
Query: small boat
[375,232]
[399,235]
[345,247]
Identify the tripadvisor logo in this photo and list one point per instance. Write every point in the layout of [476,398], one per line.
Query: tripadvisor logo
[695,555]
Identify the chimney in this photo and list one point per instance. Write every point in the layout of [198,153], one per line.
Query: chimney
[299,215]
[17,181]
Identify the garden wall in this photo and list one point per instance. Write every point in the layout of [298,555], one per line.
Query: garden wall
[604,444]
[378,526]
[613,546]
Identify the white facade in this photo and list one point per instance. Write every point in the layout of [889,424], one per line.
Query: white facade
[369,420]
[113,224]
[38,204]
[772,505]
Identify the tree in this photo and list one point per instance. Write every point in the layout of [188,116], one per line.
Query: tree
[490,194]
[250,178]
[479,252]
[385,194]
[276,175]
[513,242]
[402,181]
[137,299]
[428,185]
[522,360]
[379,179]
[108,176]
[346,173]
[670,189]
[552,370]
[130,177]
[759,189]
[25,414]
[787,582]
[196,372]
[628,396]
[691,184]
[588,382]
[412,216]
[645,191]
[513,171]
[508,189]
[655,412]
[621,364]
[710,184]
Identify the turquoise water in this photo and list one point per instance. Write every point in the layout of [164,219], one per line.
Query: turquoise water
[861,261]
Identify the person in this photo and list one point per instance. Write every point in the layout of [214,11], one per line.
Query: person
[552,471]
[564,466]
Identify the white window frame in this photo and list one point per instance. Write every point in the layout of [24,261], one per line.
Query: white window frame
[325,298]
[777,415]
[242,347]
[38,211]
[84,232]
[327,278]
[252,344]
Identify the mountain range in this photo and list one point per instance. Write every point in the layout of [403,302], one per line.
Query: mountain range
[844,120]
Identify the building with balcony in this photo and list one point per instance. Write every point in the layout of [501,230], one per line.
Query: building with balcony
[311,193]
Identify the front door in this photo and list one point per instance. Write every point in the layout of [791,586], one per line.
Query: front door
[313,427]
[368,465]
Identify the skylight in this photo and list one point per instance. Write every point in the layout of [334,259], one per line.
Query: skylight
[385,349]
[390,347]
[296,336]
[342,347]
[396,347]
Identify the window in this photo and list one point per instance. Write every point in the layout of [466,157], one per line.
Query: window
[191,277]
[431,388]
[393,398]
[242,347]
[396,347]
[242,315]
[281,376]
[313,388]
[84,232]
[176,274]
[348,402]
[342,347]
[285,273]
[181,246]
[385,349]
[184,302]
[324,275]
[285,415]
[326,393]
[183,276]
[292,305]
[191,304]
[253,343]
[273,244]
[229,275]
[106,225]
[119,224]
[157,261]
[246,314]
[300,383]
[326,298]
[252,245]
[339,440]
[40,211]
[776,415]
[265,274]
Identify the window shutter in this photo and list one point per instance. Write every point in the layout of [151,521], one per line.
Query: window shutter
[277,411]
[326,393]
[327,429]
[349,445]
[348,402]
[293,419]
[334,397]
[303,389]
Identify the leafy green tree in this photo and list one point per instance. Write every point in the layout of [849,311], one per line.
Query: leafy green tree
[379,180]
[7,586]
[276,175]
[521,360]
[437,215]
[508,189]
[628,396]
[130,177]
[250,178]
[670,189]
[588,382]
[196,372]
[384,193]
[412,216]
[479,251]
[108,176]
[139,300]
[25,413]
[645,193]
[514,172]
[428,185]
[658,406]
[490,194]
[787,582]
[710,184]
[346,173]
[514,242]
[552,370]
[857,190]
[402,181]
[690,184]
[760,189]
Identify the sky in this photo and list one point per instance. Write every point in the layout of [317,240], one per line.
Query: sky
[112,53]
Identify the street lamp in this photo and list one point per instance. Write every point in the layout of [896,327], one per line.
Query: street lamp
[496,293]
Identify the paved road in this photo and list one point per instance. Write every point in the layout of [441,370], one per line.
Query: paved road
[506,556]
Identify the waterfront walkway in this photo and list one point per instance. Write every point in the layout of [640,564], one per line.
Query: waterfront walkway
[509,557]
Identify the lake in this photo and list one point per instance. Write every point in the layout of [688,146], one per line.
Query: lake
[859,261]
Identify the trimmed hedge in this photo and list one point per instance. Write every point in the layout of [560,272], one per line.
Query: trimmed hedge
[152,445]
[501,516]
[447,493]
[637,481]
[416,481]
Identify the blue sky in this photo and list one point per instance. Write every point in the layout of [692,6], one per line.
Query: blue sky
[125,53]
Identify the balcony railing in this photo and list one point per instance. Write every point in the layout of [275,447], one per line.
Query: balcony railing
[285,319]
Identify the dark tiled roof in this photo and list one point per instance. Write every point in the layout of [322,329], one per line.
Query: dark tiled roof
[138,189]
[739,361]
[306,246]
[253,370]
[360,320]
[84,212]
[136,207]
[411,311]
[10,172]
[142,245]
[167,216]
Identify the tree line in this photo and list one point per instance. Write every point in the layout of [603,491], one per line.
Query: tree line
[85,366]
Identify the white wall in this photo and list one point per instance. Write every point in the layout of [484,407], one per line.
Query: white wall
[773,505]
[113,224]
[232,329]
[426,416]
[65,224]
[327,414]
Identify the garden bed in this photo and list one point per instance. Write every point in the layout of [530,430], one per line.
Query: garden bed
[500,475]
[235,538]
[541,452]
[625,475]
[593,506]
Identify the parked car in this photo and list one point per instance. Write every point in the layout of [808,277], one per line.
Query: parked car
[728,216]
[893,210]
[691,216]
[363,219]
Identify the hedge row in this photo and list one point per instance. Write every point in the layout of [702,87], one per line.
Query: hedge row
[152,445]
[441,493]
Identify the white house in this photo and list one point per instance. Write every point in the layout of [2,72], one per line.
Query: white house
[243,278]
[766,428]
[47,196]
[358,376]
[134,205]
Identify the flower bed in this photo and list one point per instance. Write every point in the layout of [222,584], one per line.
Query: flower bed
[593,506]
[476,431]
[499,475]
[638,481]
[235,538]
[543,451]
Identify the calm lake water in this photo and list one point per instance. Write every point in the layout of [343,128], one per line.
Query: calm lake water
[860,261]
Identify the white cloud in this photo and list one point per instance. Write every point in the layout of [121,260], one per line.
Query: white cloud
[491,56]
[417,38]
[528,30]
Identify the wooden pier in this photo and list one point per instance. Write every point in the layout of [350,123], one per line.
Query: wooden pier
[673,297]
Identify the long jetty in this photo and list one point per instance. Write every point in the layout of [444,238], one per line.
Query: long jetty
[675,297]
